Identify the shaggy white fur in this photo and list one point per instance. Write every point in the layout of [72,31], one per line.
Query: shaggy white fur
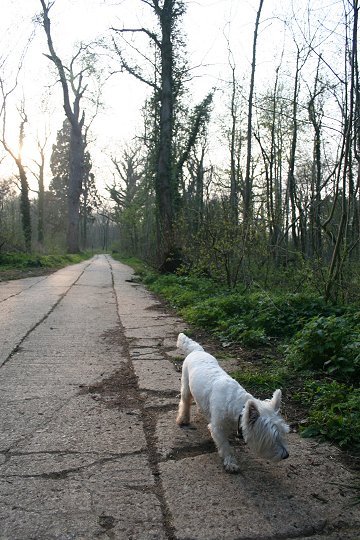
[227,405]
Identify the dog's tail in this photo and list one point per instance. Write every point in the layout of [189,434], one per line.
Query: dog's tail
[187,345]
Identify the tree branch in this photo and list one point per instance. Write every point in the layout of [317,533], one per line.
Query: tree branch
[151,35]
[132,71]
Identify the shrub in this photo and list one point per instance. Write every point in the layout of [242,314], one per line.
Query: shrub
[255,318]
[331,344]
[334,412]
[26,261]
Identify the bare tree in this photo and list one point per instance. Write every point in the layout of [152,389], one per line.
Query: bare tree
[17,156]
[344,242]
[315,117]
[234,138]
[247,188]
[72,84]
[291,187]
[39,174]
[128,193]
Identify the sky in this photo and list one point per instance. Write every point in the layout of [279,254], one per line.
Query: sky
[209,26]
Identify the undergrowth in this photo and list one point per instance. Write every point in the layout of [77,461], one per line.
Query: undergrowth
[317,344]
[18,264]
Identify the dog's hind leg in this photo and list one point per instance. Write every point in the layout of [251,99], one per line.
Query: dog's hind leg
[225,452]
[183,417]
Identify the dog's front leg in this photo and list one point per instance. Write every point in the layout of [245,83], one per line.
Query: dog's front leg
[225,452]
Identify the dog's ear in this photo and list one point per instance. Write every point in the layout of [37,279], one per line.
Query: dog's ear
[276,400]
[252,411]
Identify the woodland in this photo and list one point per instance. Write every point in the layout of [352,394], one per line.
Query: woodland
[257,242]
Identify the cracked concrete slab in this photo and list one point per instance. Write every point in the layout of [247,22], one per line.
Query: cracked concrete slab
[175,442]
[83,501]
[22,416]
[87,426]
[263,501]
[158,375]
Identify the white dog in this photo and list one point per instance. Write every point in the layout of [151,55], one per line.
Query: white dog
[228,406]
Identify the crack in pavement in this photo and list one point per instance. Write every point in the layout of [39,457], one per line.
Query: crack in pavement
[25,289]
[64,473]
[43,423]
[40,321]
[149,427]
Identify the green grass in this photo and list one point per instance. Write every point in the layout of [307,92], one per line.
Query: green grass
[17,265]
[263,380]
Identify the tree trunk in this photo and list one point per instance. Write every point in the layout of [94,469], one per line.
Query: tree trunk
[164,180]
[24,186]
[77,146]
[315,209]
[291,170]
[343,245]
[75,188]
[234,196]
[41,198]
[247,192]
[25,206]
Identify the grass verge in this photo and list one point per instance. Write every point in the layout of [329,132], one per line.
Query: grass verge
[22,265]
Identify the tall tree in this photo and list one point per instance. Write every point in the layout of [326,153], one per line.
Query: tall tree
[292,188]
[247,189]
[60,165]
[167,86]
[128,193]
[71,82]
[59,183]
[344,242]
[316,114]
[39,174]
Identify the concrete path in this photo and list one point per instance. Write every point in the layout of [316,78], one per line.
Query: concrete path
[88,444]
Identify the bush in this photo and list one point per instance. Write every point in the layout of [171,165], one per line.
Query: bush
[334,412]
[331,344]
[256,318]
[251,319]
